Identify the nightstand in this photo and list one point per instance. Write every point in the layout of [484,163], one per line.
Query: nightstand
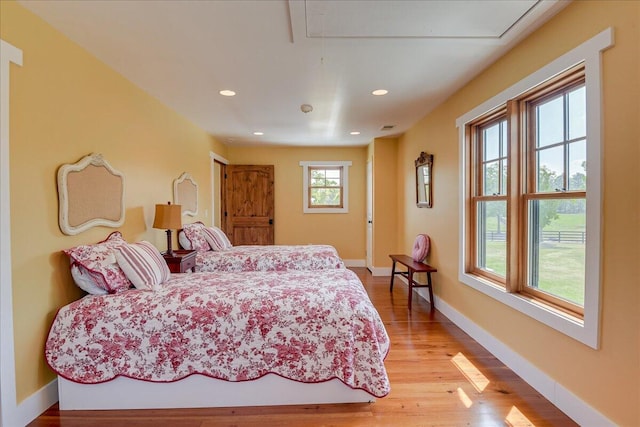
[182,261]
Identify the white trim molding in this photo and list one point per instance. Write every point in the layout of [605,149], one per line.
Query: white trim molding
[586,331]
[8,404]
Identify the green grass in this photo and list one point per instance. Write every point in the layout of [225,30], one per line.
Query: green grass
[561,264]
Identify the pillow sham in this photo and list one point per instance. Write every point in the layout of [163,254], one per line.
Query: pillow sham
[184,242]
[84,281]
[143,264]
[216,238]
[194,234]
[98,260]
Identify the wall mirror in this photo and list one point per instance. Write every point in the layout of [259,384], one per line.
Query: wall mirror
[424,180]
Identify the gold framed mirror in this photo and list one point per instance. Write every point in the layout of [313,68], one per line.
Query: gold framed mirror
[424,180]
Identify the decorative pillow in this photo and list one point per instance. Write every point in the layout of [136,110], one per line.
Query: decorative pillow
[216,238]
[421,247]
[143,265]
[99,262]
[194,234]
[84,280]
[184,242]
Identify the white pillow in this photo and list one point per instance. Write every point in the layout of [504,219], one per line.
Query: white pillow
[143,264]
[85,281]
[184,241]
[216,238]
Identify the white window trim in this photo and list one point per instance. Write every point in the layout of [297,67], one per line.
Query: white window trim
[587,331]
[345,186]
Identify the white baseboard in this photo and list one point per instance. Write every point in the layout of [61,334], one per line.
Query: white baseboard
[37,403]
[354,262]
[577,409]
[380,271]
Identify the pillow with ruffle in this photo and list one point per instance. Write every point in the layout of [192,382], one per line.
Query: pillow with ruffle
[99,262]
[193,232]
[216,238]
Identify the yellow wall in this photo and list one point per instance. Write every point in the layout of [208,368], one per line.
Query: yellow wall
[608,379]
[66,104]
[344,231]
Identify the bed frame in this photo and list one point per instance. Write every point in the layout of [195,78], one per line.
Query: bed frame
[198,391]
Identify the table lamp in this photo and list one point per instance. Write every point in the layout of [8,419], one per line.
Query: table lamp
[168,217]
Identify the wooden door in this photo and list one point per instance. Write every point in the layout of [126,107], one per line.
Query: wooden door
[249,204]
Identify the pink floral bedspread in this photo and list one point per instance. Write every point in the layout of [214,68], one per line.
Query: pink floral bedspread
[270,258]
[304,326]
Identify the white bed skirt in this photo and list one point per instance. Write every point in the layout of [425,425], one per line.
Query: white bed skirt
[198,391]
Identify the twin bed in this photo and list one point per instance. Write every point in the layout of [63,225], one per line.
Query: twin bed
[207,339]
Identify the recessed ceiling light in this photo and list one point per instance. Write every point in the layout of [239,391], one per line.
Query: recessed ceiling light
[258,133]
[227,92]
[379,92]
[355,132]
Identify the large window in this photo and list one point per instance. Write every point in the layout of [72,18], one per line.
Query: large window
[537,226]
[325,186]
[530,213]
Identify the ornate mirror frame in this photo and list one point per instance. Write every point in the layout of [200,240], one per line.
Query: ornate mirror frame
[185,193]
[90,194]
[424,180]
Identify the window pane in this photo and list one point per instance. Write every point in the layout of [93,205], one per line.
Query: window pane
[490,178]
[492,242]
[317,182]
[556,247]
[503,182]
[577,113]
[550,126]
[325,196]
[333,174]
[578,165]
[491,140]
[503,153]
[550,168]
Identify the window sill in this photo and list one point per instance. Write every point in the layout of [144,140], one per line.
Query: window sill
[326,210]
[576,328]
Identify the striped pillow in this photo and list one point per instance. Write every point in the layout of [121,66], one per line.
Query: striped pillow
[143,264]
[216,238]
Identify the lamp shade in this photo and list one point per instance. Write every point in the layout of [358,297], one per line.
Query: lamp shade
[168,217]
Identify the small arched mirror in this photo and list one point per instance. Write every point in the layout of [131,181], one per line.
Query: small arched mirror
[424,180]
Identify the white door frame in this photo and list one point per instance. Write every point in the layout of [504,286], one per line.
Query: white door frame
[214,158]
[369,260]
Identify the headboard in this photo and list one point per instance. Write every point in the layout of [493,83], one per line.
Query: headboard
[90,193]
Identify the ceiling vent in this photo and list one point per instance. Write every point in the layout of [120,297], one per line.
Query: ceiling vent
[387,127]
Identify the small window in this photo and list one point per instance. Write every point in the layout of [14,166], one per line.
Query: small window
[325,187]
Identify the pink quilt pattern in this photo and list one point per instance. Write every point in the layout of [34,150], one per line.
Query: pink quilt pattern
[270,258]
[304,326]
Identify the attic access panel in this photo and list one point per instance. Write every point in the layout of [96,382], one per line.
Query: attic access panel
[414,19]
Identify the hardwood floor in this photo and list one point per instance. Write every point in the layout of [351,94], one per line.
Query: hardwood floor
[439,377]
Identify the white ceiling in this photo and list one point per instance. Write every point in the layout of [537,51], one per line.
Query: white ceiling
[279,54]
